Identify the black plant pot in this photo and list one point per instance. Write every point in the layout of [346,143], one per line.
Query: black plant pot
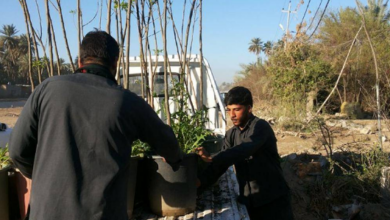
[172,193]
[213,144]
[131,185]
[4,193]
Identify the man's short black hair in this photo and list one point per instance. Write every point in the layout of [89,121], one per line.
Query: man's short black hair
[99,47]
[239,95]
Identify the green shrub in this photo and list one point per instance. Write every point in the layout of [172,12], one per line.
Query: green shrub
[188,125]
[140,149]
[5,160]
[343,182]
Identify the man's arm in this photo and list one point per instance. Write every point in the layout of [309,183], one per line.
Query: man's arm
[24,136]
[156,133]
[206,156]
[250,145]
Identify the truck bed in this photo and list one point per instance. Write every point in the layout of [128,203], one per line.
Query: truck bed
[216,203]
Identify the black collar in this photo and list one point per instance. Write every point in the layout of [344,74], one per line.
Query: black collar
[250,119]
[97,69]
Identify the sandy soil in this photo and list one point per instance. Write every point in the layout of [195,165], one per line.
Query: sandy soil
[9,116]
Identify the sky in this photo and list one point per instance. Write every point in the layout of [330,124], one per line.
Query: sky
[228,26]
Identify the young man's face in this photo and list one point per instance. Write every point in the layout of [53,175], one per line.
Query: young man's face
[239,114]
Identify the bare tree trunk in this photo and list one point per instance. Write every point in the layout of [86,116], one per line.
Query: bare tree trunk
[188,30]
[44,54]
[55,48]
[164,36]
[118,39]
[33,37]
[147,52]
[49,38]
[108,26]
[178,41]
[156,60]
[128,25]
[39,37]
[184,56]
[201,55]
[22,3]
[100,15]
[182,20]
[376,74]
[340,97]
[118,78]
[65,36]
[190,81]
[40,19]
[79,26]
[117,25]
[141,47]
[193,29]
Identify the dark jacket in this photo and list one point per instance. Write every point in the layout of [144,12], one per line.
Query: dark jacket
[254,153]
[73,138]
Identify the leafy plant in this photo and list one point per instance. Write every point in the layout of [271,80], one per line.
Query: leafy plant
[189,127]
[5,160]
[295,73]
[140,148]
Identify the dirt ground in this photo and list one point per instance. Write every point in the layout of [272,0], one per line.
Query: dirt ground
[9,116]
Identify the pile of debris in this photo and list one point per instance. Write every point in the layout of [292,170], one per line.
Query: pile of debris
[321,189]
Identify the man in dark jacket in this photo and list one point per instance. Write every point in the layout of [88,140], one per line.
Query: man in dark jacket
[251,146]
[74,136]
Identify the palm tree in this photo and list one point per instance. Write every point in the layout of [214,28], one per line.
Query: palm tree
[376,10]
[22,47]
[267,47]
[256,46]
[9,41]
[8,37]
[9,49]
[250,69]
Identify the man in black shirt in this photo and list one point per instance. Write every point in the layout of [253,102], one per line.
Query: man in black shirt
[251,146]
[74,135]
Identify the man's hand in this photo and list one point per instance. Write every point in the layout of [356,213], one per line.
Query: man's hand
[204,154]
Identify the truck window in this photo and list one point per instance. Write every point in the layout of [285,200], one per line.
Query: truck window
[135,82]
[159,83]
